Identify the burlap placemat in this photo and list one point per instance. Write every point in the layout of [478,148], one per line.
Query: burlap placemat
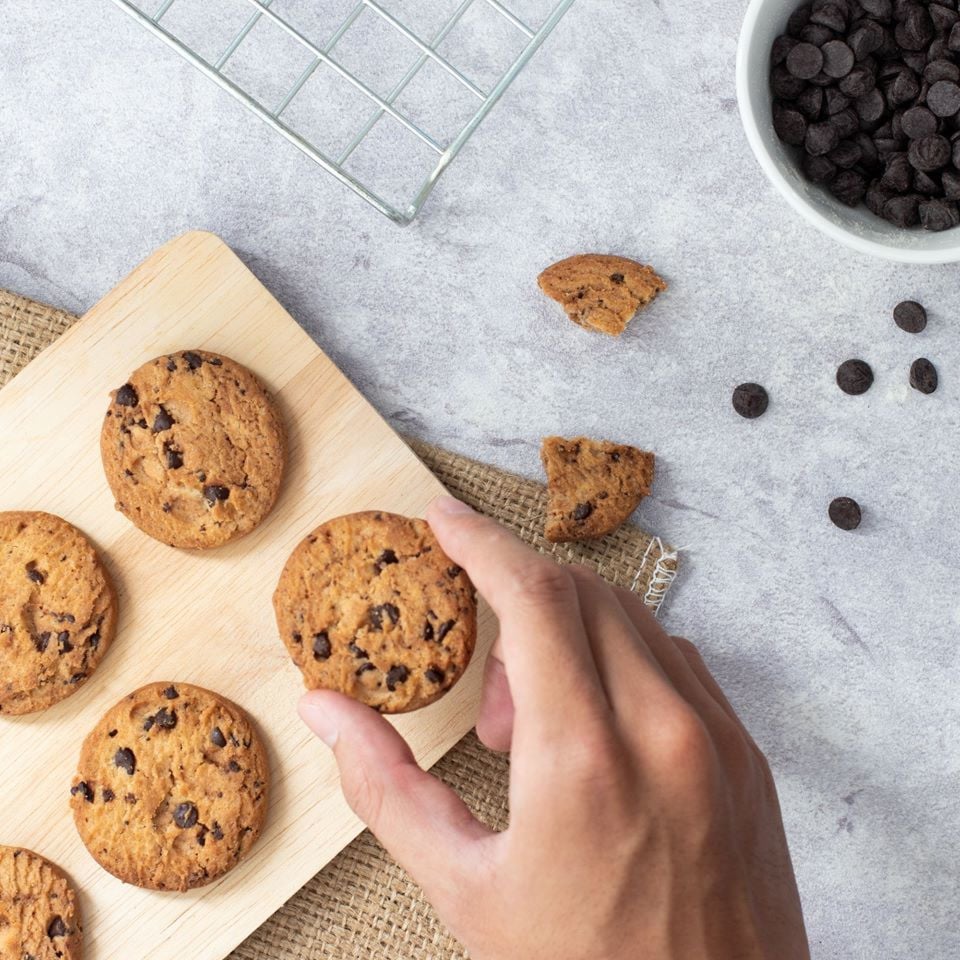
[362,906]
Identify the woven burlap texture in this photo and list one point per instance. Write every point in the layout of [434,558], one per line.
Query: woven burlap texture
[362,906]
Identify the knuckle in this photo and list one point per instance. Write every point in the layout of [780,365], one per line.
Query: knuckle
[597,756]
[543,583]
[683,744]
[689,649]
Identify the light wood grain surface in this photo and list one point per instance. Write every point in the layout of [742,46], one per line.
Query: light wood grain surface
[200,617]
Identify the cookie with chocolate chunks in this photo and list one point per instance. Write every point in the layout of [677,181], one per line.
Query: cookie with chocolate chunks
[171,788]
[368,604]
[39,912]
[600,292]
[193,447]
[58,611]
[593,485]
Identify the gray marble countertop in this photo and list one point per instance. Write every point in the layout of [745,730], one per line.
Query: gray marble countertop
[839,649]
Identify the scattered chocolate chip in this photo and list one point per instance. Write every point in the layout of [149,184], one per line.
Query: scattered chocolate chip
[750,400]
[434,674]
[171,693]
[41,640]
[93,641]
[125,760]
[376,615]
[171,364]
[396,674]
[321,646]
[215,492]
[173,455]
[845,513]
[216,831]
[854,377]
[34,574]
[386,558]
[162,421]
[938,215]
[363,668]
[108,795]
[193,359]
[428,630]
[217,738]
[358,652]
[233,766]
[581,511]
[454,572]
[202,835]
[63,641]
[56,928]
[185,816]
[215,362]
[445,628]
[923,375]
[617,278]
[127,396]
[910,316]
[148,723]
[83,789]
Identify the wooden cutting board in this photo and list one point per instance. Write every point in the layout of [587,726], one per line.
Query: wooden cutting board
[200,617]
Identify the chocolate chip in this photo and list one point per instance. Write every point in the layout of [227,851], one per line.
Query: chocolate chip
[938,214]
[202,835]
[821,138]
[215,492]
[108,795]
[581,511]
[193,359]
[428,630]
[41,640]
[434,674]
[171,693]
[837,59]
[321,646]
[125,760]
[185,816]
[902,211]
[395,675]
[171,364]
[617,278]
[859,81]
[376,615]
[804,61]
[148,723]
[910,316]
[358,652]
[829,15]
[173,455]
[83,789]
[56,928]
[929,153]
[849,187]
[785,85]
[819,169]
[233,766]
[93,641]
[950,181]
[918,122]
[363,668]
[750,400]
[854,377]
[445,628]
[162,421]
[923,375]
[789,124]
[454,572]
[215,362]
[943,98]
[127,396]
[63,641]
[845,513]
[217,738]
[216,831]
[386,558]
[870,107]
[165,719]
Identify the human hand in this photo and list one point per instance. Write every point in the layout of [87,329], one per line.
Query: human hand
[644,820]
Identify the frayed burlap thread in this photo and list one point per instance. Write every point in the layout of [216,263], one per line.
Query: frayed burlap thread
[362,906]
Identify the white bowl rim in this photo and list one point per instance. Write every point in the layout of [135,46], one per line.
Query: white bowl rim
[822,223]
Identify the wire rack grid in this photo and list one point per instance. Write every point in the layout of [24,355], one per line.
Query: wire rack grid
[380,107]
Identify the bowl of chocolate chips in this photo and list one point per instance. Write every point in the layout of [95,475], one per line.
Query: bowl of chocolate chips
[852,108]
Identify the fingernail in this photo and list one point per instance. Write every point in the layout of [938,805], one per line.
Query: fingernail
[320,720]
[451,506]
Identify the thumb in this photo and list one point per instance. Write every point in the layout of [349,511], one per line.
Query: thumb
[423,824]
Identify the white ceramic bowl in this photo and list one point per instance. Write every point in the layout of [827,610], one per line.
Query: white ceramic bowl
[857,228]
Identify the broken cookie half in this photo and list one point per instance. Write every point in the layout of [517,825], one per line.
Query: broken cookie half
[601,292]
[593,486]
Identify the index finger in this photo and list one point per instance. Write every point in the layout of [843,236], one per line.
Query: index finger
[549,663]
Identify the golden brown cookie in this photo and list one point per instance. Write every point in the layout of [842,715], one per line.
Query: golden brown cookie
[39,916]
[593,485]
[601,292]
[193,448]
[171,788]
[368,604]
[58,611]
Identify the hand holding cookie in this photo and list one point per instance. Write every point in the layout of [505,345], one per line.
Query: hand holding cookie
[642,813]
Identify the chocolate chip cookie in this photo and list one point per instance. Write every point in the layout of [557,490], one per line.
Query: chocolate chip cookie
[193,447]
[171,788]
[39,916]
[368,604]
[58,611]
[601,292]
[593,485]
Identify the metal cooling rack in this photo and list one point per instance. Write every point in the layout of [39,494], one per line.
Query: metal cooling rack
[381,109]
